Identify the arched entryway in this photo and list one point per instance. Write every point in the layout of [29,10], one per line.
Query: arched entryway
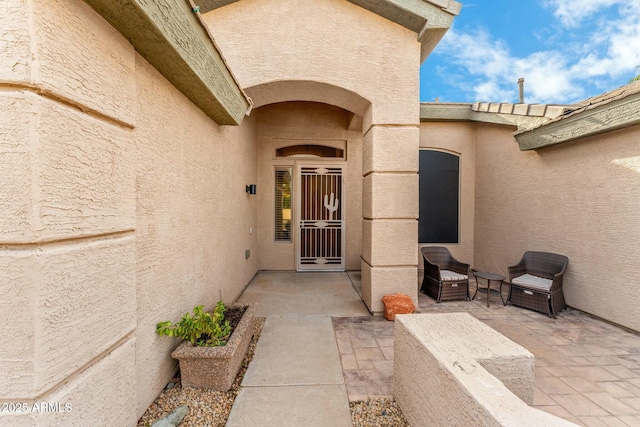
[310,176]
[317,138]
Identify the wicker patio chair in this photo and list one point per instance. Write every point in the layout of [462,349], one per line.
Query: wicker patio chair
[445,278]
[536,282]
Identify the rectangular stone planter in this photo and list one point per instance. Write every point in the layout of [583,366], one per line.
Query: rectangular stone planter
[216,367]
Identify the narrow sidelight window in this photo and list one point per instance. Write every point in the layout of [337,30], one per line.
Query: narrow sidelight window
[439,197]
[283,205]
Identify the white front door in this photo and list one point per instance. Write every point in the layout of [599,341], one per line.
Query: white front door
[321,219]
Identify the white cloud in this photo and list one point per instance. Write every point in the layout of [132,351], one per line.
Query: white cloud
[490,90]
[605,49]
[494,72]
[547,78]
[615,46]
[572,12]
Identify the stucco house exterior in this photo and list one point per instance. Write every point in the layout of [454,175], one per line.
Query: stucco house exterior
[156,155]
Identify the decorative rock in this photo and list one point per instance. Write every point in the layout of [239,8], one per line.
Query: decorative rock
[397,304]
[173,419]
[378,413]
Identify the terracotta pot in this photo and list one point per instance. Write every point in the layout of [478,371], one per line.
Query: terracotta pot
[215,368]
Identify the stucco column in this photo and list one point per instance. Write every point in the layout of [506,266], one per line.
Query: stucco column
[390,212]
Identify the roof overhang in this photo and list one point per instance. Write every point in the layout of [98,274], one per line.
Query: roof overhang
[586,121]
[440,112]
[520,116]
[176,42]
[429,19]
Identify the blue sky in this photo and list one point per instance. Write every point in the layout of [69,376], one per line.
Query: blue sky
[566,50]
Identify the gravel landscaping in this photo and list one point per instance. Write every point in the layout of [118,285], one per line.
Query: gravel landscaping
[212,408]
[377,413]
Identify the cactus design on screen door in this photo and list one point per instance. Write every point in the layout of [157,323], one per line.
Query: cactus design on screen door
[321,226]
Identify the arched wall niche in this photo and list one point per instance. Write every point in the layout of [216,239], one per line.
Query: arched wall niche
[311,91]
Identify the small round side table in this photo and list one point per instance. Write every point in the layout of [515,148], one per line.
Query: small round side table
[489,277]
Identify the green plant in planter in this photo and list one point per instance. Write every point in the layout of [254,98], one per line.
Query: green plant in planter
[202,328]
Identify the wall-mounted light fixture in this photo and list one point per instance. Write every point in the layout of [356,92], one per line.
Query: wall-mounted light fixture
[251,189]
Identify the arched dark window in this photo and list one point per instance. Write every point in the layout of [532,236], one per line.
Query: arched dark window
[439,197]
[310,150]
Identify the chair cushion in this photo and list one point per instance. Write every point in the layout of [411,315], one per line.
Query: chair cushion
[451,276]
[533,282]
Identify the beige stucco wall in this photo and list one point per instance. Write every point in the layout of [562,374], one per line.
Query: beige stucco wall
[579,199]
[292,123]
[67,186]
[457,139]
[193,217]
[121,204]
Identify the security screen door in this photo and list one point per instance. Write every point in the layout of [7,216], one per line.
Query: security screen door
[321,224]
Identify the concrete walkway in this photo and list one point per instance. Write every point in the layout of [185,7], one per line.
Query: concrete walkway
[295,378]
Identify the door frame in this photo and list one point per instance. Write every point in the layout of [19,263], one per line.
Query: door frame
[298,212]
